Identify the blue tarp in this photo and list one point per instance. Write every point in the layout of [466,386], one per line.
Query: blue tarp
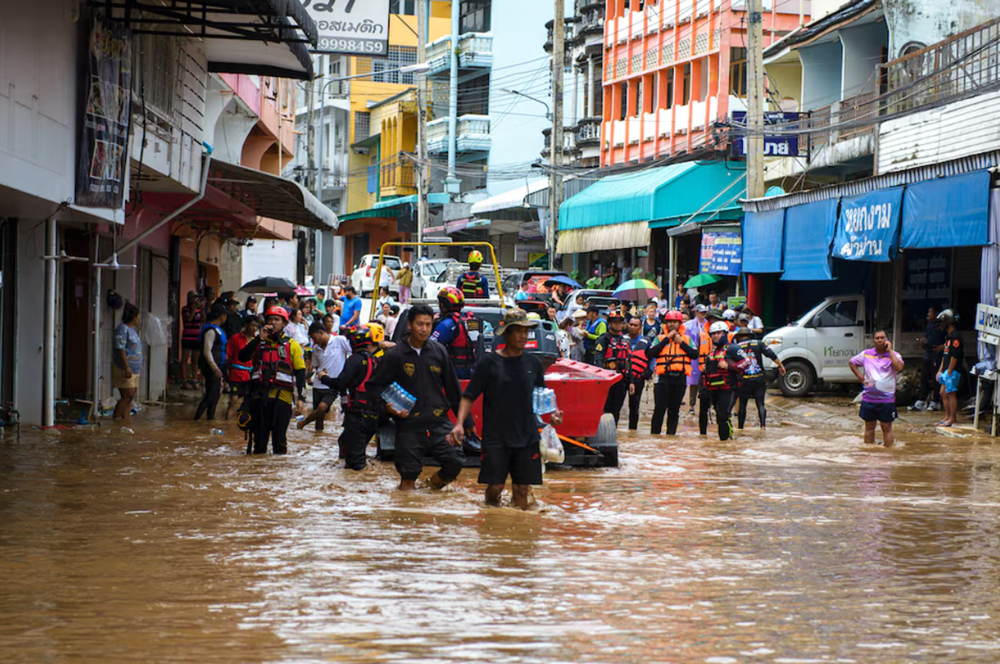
[950,212]
[763,233]
[808,233]
[868,226]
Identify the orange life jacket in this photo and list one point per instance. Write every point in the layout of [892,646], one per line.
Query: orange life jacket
[672,358]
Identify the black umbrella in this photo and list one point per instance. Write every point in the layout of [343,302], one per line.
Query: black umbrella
[268,285]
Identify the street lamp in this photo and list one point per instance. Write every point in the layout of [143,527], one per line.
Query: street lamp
[548,113]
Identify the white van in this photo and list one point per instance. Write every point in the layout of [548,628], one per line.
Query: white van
[819,345]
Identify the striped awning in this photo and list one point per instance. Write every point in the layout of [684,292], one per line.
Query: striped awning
[604,238]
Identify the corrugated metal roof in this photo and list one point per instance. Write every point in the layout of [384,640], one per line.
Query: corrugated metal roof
[866,185]
[668,192]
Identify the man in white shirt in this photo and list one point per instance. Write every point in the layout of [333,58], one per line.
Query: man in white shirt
[329,354]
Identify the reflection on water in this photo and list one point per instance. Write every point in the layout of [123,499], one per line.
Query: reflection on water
[796,545]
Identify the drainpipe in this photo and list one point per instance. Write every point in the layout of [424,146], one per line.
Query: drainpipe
[96,368]
[49,339]
[451,183]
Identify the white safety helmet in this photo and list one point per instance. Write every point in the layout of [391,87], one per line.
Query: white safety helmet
[718,326]
[729,314]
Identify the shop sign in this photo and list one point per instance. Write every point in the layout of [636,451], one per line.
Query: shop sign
[784,145]
[868,226]
[722,253]
[928,276]
[351,27]
[100,177]
[988,319]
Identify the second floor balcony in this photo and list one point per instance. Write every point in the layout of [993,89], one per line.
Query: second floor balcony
[397,178]
[475,54]
[472,135]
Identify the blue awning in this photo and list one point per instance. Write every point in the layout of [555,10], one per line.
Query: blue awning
[808,234]
[432,199]
[666,195]
[763,235]
[950,212]
[868,226]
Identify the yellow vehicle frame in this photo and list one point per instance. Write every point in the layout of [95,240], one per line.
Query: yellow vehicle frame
[381,262]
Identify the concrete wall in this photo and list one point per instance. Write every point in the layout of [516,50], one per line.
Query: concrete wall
[821,74]
[928,21]
[30,309]
[862,54]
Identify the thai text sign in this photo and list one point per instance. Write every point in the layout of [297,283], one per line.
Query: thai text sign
[868,226]
[354,27]
[722,253]
[100,175]
[781,145]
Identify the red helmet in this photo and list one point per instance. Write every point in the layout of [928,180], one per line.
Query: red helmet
[674,315]
[358,336]
[276,311]
[451,299]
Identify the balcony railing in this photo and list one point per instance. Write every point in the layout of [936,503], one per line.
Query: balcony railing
[472,135]
[396,174]
[952,69]
[475,51]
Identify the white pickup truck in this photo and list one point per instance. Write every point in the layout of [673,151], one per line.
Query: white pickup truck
[819,345]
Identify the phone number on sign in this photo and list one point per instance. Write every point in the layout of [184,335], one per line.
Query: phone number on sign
[352,45]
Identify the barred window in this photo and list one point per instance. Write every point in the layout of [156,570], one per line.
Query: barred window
[156,72]
[380,68]
[404,7]
[362,125]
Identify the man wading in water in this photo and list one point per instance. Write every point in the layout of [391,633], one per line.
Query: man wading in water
[506,379]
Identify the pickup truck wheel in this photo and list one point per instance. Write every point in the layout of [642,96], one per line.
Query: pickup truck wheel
[798,380]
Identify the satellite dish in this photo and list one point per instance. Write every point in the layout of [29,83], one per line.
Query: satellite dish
[62,257]
[114,264]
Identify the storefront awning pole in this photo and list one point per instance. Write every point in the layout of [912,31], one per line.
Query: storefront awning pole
[672,270]
[95,369]
[49,340]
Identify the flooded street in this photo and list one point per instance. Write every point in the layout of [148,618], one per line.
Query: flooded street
[798,545]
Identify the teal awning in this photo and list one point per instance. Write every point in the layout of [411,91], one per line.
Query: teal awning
[665,196]
[432,199]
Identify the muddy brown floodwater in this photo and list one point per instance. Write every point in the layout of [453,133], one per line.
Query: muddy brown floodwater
[796,545]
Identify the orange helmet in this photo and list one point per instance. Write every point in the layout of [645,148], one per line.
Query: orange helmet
[276,311]
[451,299]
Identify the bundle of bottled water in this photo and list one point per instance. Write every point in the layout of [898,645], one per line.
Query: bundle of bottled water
[400,400]
[543,400]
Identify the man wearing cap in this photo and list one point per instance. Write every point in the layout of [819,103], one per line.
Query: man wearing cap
[279,374]
[753,384]
[640,370]
[596,326]
[506,380]
[233,324]
[250,310]
[697,332]
[613,352]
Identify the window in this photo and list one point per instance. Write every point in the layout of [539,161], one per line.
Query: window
[841,314]
[738,72]
[404,7]
[653,101]
[382,70]
[474,16]
[670,88]
[362,125]
[156,72]
[333,66]
[686,90]
[638,97]
[623,93]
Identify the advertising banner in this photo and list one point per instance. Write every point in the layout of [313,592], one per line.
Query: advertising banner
[351,27]
[868,226]
[101,170]
[722,253]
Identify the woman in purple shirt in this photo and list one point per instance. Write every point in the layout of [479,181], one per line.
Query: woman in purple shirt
[877,369]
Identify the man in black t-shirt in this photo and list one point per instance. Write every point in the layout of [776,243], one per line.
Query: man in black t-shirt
[952,361]
[507,379]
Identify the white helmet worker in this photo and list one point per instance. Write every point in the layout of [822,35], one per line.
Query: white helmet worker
[729,314]
[718,326]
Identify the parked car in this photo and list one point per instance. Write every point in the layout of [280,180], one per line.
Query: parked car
[536,286]
[602,298]
[425,274]
[363,277]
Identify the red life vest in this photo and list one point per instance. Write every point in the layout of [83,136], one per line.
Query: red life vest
[471,285]
[617,353]
[713,378]
[273,365]
[360,400]
[639,363]
[462,352]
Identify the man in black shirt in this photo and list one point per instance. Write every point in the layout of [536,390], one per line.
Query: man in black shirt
[952,362]
[507,379]
[423,368]
[933,343]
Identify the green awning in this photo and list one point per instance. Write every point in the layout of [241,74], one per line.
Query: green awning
[384,213]
[668,195]
[727,214]
[432,199]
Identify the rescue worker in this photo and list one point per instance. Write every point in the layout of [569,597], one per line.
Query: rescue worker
[729,315]
[472,284]
[696,329]
[278,378]
[704,348]
[725,361]
[423,368]
[753,384]
[672,354]
[639,366]
[596,326]
[612,352]
[452,332]
[363,405]
[212,360]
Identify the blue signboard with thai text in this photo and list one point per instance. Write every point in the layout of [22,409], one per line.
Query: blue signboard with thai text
[868,226]
[783,145]
[722,253]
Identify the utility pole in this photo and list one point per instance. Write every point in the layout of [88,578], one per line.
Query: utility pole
[422,166]
[451,183]
[555,179]
[313,173]
[755,100]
